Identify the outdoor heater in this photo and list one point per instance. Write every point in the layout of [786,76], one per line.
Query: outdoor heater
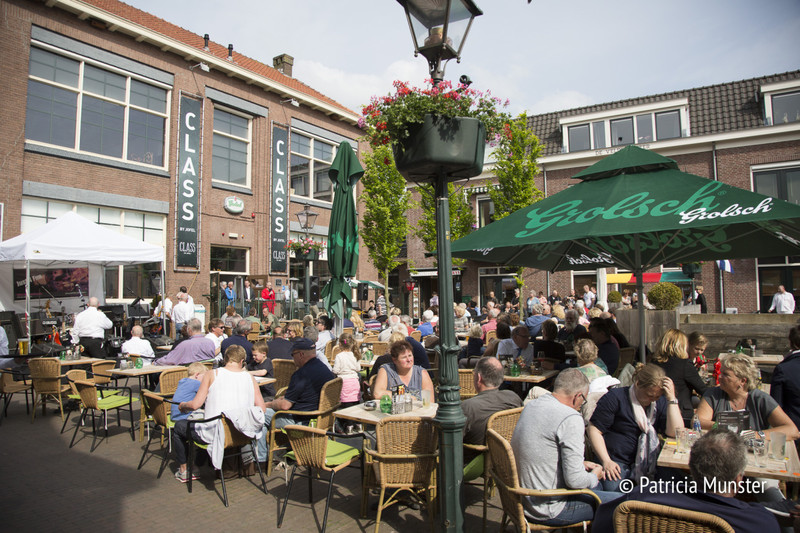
[439,29]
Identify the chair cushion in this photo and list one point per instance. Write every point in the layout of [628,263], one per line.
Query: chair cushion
[112,402]
[337,453]
[474,469]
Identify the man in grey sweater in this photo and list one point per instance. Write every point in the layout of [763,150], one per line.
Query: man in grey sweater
[548,445]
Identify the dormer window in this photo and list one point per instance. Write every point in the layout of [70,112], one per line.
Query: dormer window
[781,102]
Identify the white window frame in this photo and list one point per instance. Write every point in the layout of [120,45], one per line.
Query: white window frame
[127,106]
[312,162]
[776,89]
[248,141]
[246,271]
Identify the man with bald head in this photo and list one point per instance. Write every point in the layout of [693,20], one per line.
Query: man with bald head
[487,377]
[90,326]
[137,345]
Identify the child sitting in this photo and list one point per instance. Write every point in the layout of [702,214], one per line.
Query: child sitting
[346,366]
[262,367]
[186,391]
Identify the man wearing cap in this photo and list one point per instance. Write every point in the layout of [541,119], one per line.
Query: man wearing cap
[304,387]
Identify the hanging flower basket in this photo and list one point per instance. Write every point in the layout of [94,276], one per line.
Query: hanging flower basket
[313,255]
[442,145]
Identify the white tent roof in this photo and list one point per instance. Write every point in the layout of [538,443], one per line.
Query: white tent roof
[71,238]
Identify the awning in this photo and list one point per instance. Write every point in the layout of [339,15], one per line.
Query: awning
[431,273]
[649,277]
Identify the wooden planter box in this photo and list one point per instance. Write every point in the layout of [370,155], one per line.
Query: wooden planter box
[450,146]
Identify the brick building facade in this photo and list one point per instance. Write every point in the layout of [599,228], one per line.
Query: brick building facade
[103,103]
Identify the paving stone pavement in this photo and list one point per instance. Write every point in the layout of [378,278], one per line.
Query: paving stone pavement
[47,487]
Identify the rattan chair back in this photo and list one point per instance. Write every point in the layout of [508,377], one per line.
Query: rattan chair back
[88,393]
[45,375]
[73,376]
[380,348]
[413,441]
[632,516]
[490,336]
[9,386]
[156,407]
[282,370]
[329,350]
[467,383]
[504,472]
[309,446]
[100,369]
[168,382]
[329,401]
[416,335]
[347,330]
[233,437]
[626,356]
[504,422]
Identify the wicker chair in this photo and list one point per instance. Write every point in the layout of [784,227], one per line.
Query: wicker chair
[329,350]
[504,422]
[312,448]
[168,382]
[329,401]
[9,387]
[101,373]
[380,348]
[503,470]
[404,461]
[282,370]
[490,336]
[255,331]
[632,516]
[467,383]
[46,381]
[93,399]
[158,410]
[234,440]
[626,356]
[416,335]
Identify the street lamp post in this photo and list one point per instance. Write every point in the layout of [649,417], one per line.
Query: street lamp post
[439,29]
[306,218]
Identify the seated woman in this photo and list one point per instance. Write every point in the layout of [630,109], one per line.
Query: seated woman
[588,363]
[697,348]
[295,330]
[551,348]
[473,351]
[671,355]
[461,320]
[736,391]
[625,425]
[402,371]
[229,388]
[231,317]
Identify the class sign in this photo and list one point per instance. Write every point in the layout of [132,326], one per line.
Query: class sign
[187,202]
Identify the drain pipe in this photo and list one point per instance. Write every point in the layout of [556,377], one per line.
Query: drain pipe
[548,291]
[721,278]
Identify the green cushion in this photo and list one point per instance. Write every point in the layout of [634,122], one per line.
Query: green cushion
[106,393]
[337,453]
[112,402]
[474,469]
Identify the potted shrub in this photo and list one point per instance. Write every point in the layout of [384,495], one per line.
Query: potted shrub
[665,295]
[434,130]
[614,297]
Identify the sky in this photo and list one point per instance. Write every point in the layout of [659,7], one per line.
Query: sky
[545,56]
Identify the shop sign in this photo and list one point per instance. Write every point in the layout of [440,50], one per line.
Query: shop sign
[234,205]
[187,223]
[278,225]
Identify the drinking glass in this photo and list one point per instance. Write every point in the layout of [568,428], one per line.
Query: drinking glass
[759,453]
[426,398]
[682,436]
[778,447]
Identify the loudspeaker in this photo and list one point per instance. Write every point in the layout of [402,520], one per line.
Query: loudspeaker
[314,297]
[46,349]
[363,291]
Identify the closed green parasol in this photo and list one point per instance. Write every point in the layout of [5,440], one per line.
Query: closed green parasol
[342,232]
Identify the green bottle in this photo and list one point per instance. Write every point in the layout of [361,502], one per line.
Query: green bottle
[386,404]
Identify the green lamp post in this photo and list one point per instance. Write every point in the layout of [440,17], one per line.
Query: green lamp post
[439,29]
[306,218]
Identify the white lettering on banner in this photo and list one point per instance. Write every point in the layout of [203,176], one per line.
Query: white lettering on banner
[188,185]
[584,259]
[279,257]
[735,210]
[484,251]
[189,126]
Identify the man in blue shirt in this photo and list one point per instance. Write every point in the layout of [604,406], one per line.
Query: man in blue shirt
[535,321]
[426,328]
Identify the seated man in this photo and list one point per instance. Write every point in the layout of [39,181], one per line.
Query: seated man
[535,321]
[137,345]
[519,345]
[717,461]
[607,349]
[548,446]
[425,327]
[372,323]
[487,377]
[239,338]
[196,348]
[280,347]
[548,345]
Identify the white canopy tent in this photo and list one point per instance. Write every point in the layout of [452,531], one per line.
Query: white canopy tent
[70,241]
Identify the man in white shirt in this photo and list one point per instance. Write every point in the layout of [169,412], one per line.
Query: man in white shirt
[782,302]
[137,345]
[519,345]
[247,294]
[181,313]
[90,326]
[189,298]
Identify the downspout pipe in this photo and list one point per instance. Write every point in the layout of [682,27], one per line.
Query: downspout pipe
[721,277]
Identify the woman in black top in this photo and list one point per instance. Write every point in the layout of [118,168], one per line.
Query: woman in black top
[672,355]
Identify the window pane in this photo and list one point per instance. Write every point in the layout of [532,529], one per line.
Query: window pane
[228,259]
[145,138]
[50,114]
[668,125]
[104,83]
[299,173]
[323,188]
[323,151]
[149,97]
[133,220]
[134,233]
[56,209]
[301,144]
[154,236]
[766,183]
[231,124]
[579,138]
[54,67]
[154,221]
[644,128]
[89,213]
[786,108]
[485,212]
[229,160]
[599,134]
[34,207]
[102,127]
[109,216]
[793,186]
[112,282]
[31,223]
[622,131]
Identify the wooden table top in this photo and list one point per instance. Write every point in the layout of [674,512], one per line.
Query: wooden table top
[144,371]
[763,359]
[787,469]
[166,347]
[357,413]
[81,361]
[530,378]
[264,380]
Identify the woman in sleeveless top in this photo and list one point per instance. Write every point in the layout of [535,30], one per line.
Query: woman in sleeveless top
[402,371]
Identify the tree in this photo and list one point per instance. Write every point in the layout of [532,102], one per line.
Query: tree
[461,217]
[516,154]
[384,226]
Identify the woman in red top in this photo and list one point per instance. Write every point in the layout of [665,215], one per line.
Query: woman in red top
[268,295]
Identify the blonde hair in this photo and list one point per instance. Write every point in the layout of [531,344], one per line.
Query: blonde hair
[396,336]
[557,311]
[648,376]
[296,328]
[673,343]
[595,312]
[235,354]
[347,343]
[743,368]
[356,320]
[585,351]
[196,368]
[475,331]
[459,311]
[697,339]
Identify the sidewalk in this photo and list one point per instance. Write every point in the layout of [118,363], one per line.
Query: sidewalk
[47,486]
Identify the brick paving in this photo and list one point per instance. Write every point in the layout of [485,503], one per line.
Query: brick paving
[48,486]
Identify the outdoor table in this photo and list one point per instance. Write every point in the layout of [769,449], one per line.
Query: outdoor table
[357,413]
[367,364]
[261,380]
[787,469]
[140,373]
[761,360]
[532,378]
[81,361]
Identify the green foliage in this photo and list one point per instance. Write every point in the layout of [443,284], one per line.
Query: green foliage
[384,226]
[665,295]
[614,297]
[461,217]
[516,154]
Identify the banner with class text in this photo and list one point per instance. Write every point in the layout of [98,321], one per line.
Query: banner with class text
[187,203]
[278,226]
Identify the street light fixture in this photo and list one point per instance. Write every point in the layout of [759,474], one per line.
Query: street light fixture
[306,218]
[439,29]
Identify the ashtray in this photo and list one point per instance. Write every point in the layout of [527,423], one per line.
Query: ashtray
[370,405]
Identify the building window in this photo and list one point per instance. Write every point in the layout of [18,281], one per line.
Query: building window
[579,138]
[786,108]
[622,131]
[668,125]
[120,282]
[78,105]
[231,148]
[485,212]
[229,260]
[311,159]
[783,183]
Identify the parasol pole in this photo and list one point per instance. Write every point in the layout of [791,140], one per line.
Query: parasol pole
[639,273]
